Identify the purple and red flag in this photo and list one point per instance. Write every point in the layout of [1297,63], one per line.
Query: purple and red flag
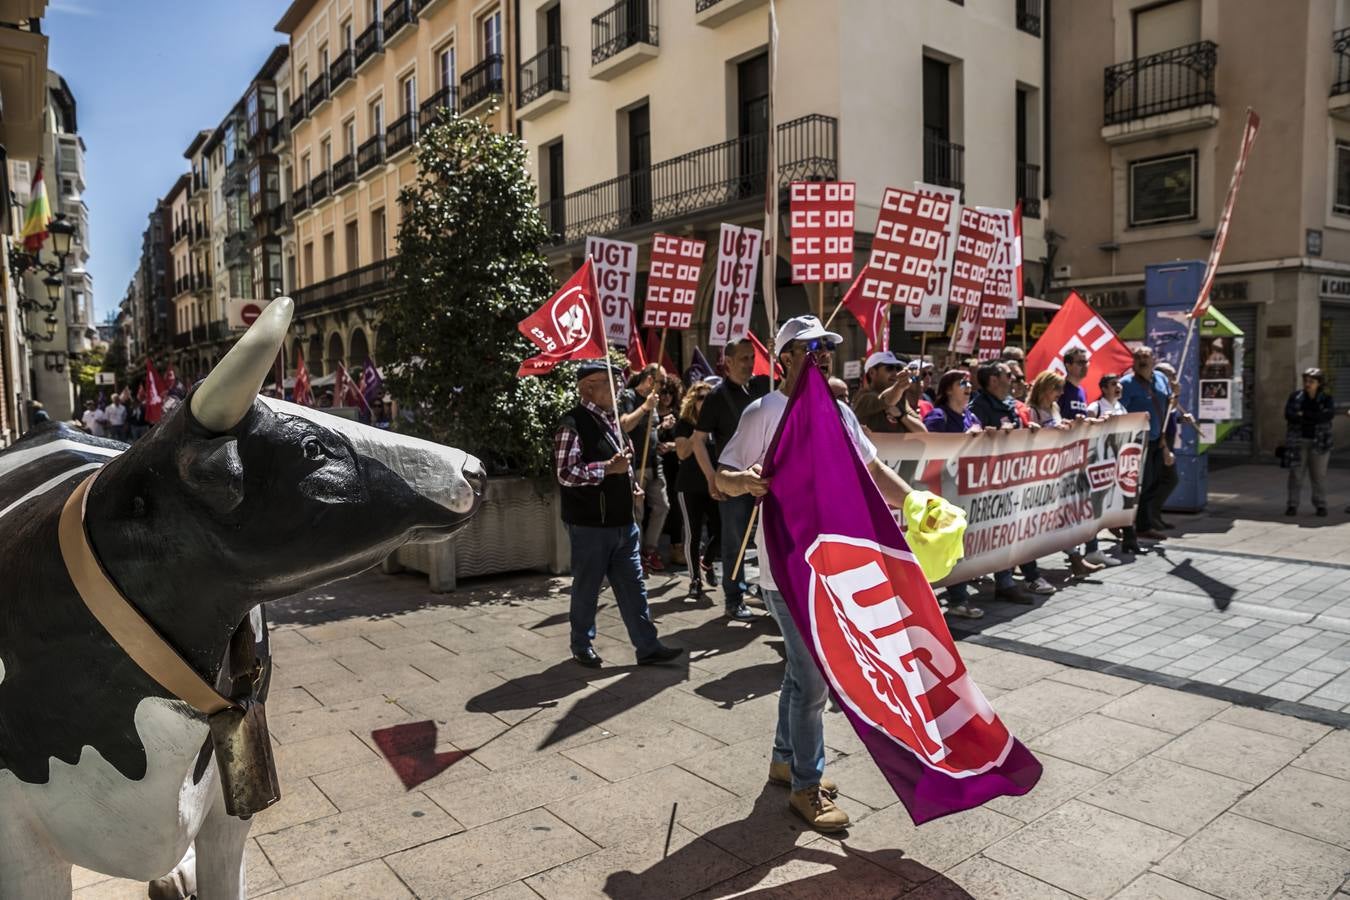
[372,385]
[870,619]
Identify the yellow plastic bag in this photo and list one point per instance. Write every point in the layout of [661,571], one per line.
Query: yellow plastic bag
[935,531]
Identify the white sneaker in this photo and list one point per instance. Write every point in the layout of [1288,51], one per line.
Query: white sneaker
[1040,586]
[1099,558]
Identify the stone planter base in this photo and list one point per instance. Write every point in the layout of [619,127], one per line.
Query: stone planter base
[516,529]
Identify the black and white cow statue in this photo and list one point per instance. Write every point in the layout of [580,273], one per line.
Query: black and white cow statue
[133,656]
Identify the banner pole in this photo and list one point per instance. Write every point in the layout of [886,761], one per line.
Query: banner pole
[923,347]
[613,396]
[1024,326]
[1185,351]
[838,306]
[745,542]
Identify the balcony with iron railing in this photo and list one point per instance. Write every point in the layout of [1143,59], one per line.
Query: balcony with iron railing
[369,43]
[943,161]
[217,331]
[401,135]
[319,188]
[1340,46]
[200,233]
[344,172]
[358,284]
[623,36]
[1167,82]
[277,137]
[481,82]
[430,111]
[341,70]
[317,95]
[542,82]
[1029,189]
[398,16]
[1029,16]
[298,111]
[182,339]
[198,334]
[279,218]
[704,183]
[299,200]
[711,13]
[370,154]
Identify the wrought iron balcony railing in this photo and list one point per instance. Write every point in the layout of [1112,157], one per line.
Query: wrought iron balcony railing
[625,24]
[1340,45]
[319,188]
[182,339]
[1029,16]
[396,15]
[1029,189]
[341,69]
[344,172]
[298,111]
[369,42]
[481,82]
[943,161]
[401,134]
[430,112]
[369,280]
[370,154]
[299,199]
[701,181]
[318,91]
[545,71]
[1175,79]
[198,334]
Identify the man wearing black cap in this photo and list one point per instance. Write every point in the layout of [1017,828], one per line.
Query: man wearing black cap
[595,469]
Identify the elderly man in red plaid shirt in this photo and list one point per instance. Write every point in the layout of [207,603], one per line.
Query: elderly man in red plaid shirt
[595,469]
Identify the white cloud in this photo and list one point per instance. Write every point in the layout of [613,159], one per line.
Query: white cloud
[71,9]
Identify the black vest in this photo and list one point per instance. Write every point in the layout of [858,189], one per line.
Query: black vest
[609,503]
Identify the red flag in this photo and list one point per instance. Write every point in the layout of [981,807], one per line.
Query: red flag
[653,339]
[762,359]
[568,326]
[1019,295]
[873,315]
[1221,233]
[154,393]
[1076,325]
[301,393]
[345,391]
[637,358]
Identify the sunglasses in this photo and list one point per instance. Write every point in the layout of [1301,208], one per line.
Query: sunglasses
[964,384]
[816,345]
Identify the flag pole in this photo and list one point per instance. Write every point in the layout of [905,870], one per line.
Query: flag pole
[1024,326]
[604,339]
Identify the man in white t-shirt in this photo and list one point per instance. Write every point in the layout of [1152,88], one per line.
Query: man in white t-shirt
[799,743]
[90,419]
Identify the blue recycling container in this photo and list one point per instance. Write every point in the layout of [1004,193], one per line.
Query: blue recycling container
[1170,290]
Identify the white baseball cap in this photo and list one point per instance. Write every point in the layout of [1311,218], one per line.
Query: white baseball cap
[803,328]
[882,358]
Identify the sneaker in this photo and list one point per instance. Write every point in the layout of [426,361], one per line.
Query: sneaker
[709,573]
[1040,586]
[964,611]
[651,561]
[1098,558]
[695,592]
[1081,568]
[780,773]
[817,809]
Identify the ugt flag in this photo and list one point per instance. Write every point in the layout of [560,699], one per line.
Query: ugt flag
[568,326]
[1077,326]
[870,619]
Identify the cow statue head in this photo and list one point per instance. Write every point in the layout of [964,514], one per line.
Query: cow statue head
[235,499]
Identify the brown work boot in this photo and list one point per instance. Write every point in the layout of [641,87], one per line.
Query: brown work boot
[1081,568]
[817,809]
[781,773]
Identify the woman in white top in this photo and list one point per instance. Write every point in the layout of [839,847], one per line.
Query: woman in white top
[1109,403]
[1044,399]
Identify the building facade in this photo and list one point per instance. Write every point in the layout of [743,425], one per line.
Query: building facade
[366,78]
[651,115]
[1142,159]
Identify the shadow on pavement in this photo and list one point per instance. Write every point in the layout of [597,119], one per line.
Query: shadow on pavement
[771,831]
[1220,592]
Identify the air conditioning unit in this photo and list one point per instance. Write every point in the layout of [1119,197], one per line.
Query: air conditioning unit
[1063,272]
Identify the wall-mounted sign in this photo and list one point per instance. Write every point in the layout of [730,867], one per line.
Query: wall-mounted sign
[1334,287]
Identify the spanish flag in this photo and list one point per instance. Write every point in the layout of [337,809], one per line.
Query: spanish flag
[37,216]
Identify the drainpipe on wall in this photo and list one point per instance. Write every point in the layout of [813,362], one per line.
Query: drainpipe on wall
[510,99]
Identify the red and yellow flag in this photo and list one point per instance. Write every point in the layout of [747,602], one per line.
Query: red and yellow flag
[37,216]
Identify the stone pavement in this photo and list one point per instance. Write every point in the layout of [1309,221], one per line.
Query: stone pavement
[443,746]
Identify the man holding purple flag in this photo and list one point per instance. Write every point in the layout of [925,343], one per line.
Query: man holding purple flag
[857,614]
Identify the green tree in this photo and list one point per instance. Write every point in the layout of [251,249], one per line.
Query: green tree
[82,372]
[469,269]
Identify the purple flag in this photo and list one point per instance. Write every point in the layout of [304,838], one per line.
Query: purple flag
[372,385]
[873,625]
[699,368]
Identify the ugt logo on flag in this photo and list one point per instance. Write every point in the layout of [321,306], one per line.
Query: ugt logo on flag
[893,672]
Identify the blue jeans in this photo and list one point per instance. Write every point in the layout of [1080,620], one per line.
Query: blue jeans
[735,512]
[613,553]
[799,739]
[1030,571]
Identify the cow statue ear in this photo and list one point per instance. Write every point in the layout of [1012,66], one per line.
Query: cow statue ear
[213,471]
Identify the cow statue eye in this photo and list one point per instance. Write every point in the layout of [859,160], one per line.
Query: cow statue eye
[312,448]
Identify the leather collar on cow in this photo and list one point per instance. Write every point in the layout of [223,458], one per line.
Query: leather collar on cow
[123,621]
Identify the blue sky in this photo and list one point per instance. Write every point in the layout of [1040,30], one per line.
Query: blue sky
[147,75]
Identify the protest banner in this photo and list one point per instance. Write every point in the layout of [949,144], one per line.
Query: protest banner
[931,313]
[1026,493]
[1077,326]
[672,281]
[821,222]
[734,284]
[966,331]
[909,232]
[616,281]
[870,620]
[975,244]
[1001,291]
[993,332]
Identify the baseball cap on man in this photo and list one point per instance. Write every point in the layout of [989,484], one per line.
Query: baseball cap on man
[882,358]
[803,328]
[595,367]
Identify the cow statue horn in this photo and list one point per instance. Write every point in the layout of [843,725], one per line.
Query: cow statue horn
[221,401]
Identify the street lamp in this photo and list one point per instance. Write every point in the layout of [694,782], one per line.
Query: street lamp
[60,234]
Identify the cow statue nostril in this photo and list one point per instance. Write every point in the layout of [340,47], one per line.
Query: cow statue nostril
[477,479]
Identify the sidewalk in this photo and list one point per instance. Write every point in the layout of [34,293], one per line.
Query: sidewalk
[509,772]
